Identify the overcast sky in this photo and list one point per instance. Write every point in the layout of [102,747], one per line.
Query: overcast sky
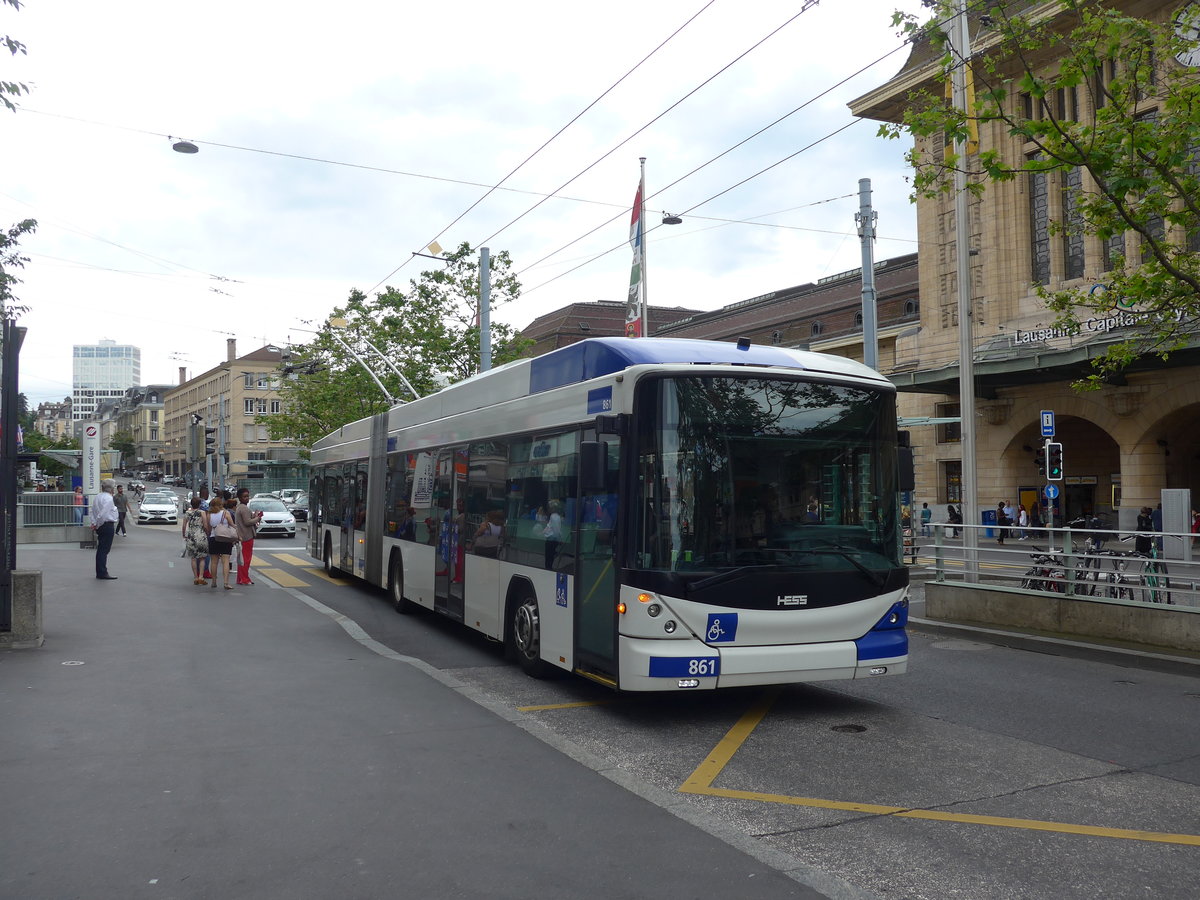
[336,139]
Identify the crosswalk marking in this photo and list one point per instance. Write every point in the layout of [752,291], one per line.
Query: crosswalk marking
[281,578]
[289,577]
[292,560]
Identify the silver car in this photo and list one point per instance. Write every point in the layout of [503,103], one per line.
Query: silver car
[275,519]
[158,507]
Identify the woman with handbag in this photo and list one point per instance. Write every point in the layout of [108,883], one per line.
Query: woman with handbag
[222,536]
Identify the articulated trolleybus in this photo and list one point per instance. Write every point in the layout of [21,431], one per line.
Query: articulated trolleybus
[652,514]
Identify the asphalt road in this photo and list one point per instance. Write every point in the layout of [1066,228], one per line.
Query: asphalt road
[986,772]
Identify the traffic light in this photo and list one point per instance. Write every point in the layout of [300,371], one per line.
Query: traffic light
[210,441]
[1040,458]
[194,446]
[1054,461]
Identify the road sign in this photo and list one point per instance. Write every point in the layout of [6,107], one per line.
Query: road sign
[1051,491]
[1047,423]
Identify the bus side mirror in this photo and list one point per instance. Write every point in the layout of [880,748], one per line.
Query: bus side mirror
[907,476]
[593,466]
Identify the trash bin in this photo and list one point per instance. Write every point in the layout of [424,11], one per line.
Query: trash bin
[989,519]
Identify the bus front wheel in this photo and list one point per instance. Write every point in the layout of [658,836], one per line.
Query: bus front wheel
[330,569]
[525,634]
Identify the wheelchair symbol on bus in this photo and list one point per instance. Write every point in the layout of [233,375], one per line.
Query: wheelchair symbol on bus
[722,628]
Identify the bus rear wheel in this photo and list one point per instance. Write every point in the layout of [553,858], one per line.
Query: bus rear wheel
[330,569]
[525,636]
[396,585]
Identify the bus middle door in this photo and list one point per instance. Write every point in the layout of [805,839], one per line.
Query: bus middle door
[450,503]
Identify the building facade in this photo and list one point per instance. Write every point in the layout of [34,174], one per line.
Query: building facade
[229,397]
[54,419]
[1124,443]
[103,371]
[602,318]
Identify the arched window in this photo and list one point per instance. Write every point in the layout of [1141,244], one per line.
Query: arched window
[858,320]
[815,330]
[911,307]
[776,337]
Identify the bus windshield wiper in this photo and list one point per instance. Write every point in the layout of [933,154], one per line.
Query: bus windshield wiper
[845,553]
[722,577]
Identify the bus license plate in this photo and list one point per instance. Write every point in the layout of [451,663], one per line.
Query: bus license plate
[685,666]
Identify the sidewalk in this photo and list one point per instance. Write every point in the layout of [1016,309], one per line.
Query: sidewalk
[174,741]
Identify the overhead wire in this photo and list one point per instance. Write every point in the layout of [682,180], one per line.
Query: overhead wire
[719,156]
[552,138]
[807,5]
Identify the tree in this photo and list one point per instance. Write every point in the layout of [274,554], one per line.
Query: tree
[123,441]
[11,259]
[1096,100]
[430,334]
[12,88]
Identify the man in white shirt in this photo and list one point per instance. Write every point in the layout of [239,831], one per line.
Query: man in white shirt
[104,522]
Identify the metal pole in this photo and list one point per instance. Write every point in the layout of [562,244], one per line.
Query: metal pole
[960,42]
[645,273]
[390,399]
[485,312]
[866,231]
[11,338]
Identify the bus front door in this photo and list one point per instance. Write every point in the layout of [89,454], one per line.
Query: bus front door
[596,578]
[449,500]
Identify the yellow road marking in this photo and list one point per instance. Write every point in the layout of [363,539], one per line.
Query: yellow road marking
[281,578]
[318,572]
[700,782]
[565,705]
[292,559]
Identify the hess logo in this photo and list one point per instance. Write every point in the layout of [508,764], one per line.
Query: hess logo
[792,600]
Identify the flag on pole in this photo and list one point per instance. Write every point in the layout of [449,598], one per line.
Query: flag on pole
[633,307]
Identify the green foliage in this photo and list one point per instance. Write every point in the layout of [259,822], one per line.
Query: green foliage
[429,333]
[12,88]
[35,441]
[1141,172]
[10,260]
[123,441]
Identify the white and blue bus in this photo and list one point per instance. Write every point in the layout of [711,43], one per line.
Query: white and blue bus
[652,514]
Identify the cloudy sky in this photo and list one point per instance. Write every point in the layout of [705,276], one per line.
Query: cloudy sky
[336,139]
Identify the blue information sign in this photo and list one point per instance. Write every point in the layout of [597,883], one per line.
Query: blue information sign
[1047,423]
[1051,491]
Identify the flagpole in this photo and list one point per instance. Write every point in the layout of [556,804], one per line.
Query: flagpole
[645,284]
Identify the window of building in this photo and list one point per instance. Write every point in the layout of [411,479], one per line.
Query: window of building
[249,433]
[816,329]
[261,406]
[263,437]
[951,486]
[1039,227]
[256,456]
[1073,252]
[911,308]
[949,432]
[154,434]
[276,407]
[248,406]
[858,319]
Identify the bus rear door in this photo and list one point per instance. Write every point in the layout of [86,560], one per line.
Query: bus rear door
[450,504]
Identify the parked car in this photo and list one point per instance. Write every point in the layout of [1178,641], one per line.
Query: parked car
[288,494]
[298,507]
[158,507]
[267,496]
[276,519]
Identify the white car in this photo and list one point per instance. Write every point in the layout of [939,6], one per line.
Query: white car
[275,519]
[159,507]
[287,495]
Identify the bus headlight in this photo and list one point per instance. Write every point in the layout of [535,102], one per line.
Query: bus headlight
[653,610]
[669,626]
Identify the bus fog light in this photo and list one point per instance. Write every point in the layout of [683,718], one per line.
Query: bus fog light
[653,610]
[893,618]
[669,626]
[689,682]
[878,670]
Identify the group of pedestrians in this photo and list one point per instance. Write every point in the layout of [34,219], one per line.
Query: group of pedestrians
[212,529]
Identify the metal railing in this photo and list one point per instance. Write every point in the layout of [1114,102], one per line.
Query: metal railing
[36,509]
[1087,564]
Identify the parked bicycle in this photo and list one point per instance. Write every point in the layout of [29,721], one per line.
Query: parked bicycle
[1048,572]
[1154,581]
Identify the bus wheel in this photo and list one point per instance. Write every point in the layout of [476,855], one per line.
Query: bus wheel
[330,569]
[396,585]
[526,637]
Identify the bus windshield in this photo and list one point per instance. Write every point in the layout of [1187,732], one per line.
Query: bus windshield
[736,472]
